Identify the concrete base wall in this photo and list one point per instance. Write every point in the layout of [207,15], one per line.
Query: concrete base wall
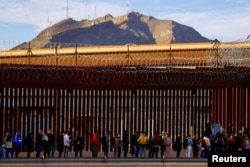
[137,164]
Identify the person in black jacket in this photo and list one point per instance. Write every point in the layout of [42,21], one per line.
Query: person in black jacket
[178,146]
[39,143]
[60,144]
[78,144]
[29,143]
[45,145]
[134,147]
[105,144]
[51,143]
[125,143]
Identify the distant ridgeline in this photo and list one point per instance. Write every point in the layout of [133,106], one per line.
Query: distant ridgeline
[133,28]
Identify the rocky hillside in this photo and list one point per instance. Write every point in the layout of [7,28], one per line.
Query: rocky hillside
[108,30]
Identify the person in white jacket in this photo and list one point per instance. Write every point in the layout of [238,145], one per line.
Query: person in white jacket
[8,142]
[66,142]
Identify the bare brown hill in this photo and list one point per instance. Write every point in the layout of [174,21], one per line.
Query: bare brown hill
[133,28]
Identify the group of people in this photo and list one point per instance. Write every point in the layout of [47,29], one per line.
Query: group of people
[44,143]
[218,142]
[64,142]
[139,144]
[136,145]
[12,145]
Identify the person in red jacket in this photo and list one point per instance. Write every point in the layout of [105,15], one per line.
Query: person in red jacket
[95,144]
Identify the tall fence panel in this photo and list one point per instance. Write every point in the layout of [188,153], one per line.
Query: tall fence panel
[179,112]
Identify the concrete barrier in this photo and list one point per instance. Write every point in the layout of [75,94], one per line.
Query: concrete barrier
[87,160]
[111,162]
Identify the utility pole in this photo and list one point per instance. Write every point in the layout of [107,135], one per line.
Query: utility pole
[127,6]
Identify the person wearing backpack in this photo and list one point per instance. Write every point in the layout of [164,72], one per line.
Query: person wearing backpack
[143,141]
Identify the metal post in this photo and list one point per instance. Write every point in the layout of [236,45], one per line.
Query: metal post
[29,52]
[216,45]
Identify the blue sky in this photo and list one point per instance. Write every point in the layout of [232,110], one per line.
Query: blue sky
[226,20]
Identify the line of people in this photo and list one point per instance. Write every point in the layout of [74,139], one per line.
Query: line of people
[64,143]
[44,143]
[138,145]
[194,147]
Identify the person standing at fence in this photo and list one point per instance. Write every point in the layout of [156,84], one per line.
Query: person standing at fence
[105,144]
[178,146]
[168,145]
[18,143]
[60,144]
[246,141]
[78,144]
[163,143]
[143,141]
[188,143]
[207,145]
[29,143]
[8,141]
[196,147]
[117,146]
[51,143]
[125,143]
[156,140]
[39,143]
[66,143]
[95,144]
[134,145]
[45,145]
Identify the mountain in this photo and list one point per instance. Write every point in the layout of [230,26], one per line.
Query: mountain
[133,27]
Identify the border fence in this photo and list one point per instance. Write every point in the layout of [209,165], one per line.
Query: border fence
[176,88]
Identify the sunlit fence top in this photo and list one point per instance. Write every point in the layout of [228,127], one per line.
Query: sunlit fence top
[185,55]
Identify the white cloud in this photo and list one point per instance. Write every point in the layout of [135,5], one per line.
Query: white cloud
[227,25]
[42,13]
